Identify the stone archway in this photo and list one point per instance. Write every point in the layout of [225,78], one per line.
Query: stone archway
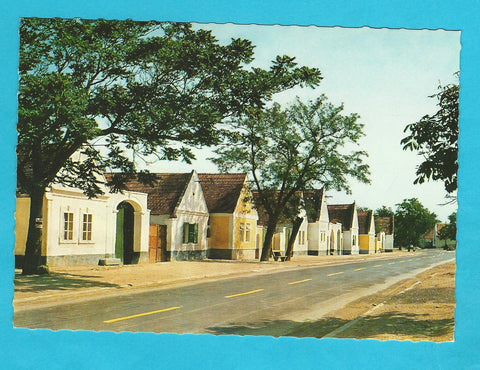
[128,236]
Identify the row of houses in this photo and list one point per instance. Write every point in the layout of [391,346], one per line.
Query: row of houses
[188,216]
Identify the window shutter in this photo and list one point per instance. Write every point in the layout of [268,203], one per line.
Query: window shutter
[195,233]
[185,232]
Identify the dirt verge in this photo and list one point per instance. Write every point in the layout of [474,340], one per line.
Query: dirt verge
[417,309]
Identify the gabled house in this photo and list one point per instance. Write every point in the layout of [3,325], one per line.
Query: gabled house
[178,216]
[366,232]
[318,221]
[232,223]
[79,230]
[283,231]
[346,214]
[385,234]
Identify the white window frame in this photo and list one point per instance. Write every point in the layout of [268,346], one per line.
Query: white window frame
[68,226]
[86,232]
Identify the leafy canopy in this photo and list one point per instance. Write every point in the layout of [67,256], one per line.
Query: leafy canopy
[412,221]
[113,87]
[293,149]
[436,139]
[384,211]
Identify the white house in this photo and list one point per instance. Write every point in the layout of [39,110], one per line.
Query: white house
[335,238]
[386,226]
[178,216]
[346,214]
[79,230]
[318,221]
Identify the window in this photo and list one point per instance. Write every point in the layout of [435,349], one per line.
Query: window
[68,226]
[242,232]
[87,227]
[301,237]
[190,233]
[245,231]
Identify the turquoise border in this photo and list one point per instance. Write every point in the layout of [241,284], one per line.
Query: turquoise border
[40,349]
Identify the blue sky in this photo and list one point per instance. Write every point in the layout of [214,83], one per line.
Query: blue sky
[385,75]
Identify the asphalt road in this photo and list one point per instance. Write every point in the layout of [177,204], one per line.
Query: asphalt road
[277,304]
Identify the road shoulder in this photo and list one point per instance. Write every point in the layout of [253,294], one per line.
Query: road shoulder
[417,309]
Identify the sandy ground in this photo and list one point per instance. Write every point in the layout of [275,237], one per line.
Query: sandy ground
[417,309]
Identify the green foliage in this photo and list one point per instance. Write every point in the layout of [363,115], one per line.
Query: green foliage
[384,211]
[412,221]
[449,231]
[292,149]
[111,88]
[153,88]
[436,139]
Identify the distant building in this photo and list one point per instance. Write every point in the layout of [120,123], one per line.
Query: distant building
[385,232]
[366,232]
[346,214]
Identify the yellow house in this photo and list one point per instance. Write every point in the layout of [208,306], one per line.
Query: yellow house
[232,225]
[366,232]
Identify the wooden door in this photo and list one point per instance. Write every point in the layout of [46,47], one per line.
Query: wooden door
[157,251]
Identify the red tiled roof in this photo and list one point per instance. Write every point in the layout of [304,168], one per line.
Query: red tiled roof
[222,190]
[385,224]
[342,213]
[364,222]
[166,193]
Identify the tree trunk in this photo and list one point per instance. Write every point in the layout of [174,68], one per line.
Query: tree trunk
[33,248]
[267,244]
[296,227]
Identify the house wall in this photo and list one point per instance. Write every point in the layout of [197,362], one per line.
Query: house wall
[244,249]
[245,213]
[22,213]
[334,231]
[388,243]
[57,250]
[219,244]
[278,241]
[367,244]
[301,249]
[318,245]
[191,209]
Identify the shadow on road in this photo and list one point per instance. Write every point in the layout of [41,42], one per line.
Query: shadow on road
[56,281]
[398,323]
[391,323]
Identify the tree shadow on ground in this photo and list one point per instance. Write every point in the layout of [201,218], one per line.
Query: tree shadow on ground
[57,281]
[399,323]
[392,323]
[425,295]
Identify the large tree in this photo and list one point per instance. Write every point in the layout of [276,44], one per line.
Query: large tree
[292,149]
[412,221]
[104,87]
[435,137]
